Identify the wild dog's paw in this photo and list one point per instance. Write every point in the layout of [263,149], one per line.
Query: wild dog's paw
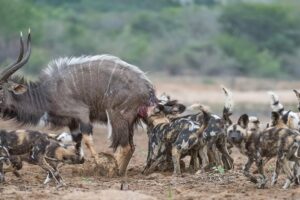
[287,184]
[261,182]
[274,180]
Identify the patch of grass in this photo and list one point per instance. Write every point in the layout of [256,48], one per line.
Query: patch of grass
[219,169]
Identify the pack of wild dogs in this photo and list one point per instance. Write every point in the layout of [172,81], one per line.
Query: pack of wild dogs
[75,92]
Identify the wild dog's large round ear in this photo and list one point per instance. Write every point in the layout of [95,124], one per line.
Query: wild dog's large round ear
[243,120]
[178,108]
[275,116]
[158,108]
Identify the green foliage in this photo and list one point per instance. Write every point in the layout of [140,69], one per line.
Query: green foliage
[219,169]
[273,27]
[250,59]
[206,38]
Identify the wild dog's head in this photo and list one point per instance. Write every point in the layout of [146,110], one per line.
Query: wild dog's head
[254,124]
[71,151]
[242,130]
[156,115]
[171,107]
[161,112]
[277,121]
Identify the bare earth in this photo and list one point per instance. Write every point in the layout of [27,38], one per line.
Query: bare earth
[211,185]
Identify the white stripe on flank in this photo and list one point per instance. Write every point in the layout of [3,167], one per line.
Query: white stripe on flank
[109,126]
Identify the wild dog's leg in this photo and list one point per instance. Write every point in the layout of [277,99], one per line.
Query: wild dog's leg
[260,166]
[195,158]
[2,179]
[48,178]
[287,170]
[226,158]
[246,170]
[152,146]
[297,172]
[150,150]
[176,160]
[154,164]
[217,156]
[51,172]
[204,157]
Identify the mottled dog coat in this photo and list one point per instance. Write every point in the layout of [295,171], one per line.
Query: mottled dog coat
[215,133]
[176,138]
[38,148]
[276,141]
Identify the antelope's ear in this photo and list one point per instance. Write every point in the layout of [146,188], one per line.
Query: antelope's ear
[243,121]
[16,88]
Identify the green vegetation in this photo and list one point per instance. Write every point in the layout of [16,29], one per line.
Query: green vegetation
[203,37]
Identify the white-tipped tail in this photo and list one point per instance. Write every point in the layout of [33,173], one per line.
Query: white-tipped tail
[228,100]
[109,126]
[276,106]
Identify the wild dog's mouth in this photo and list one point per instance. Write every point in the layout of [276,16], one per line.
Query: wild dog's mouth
[235,138]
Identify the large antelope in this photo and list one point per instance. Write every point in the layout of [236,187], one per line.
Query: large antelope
[77,91]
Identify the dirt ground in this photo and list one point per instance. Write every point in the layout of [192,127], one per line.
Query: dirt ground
[211,185]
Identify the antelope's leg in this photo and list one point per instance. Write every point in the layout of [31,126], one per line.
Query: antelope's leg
[123,156]
[87,136]
[89,142]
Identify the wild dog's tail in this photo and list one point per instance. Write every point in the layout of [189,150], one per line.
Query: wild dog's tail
[276,106]
[298,97]
[199,107]
[205,120]
[228,106]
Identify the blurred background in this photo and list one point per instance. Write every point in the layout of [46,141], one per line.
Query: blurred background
[187,47]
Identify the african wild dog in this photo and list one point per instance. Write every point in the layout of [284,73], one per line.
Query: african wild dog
[271,142]
[290,118]
[175,139]
[91,88]
[215,133]
[38,148]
